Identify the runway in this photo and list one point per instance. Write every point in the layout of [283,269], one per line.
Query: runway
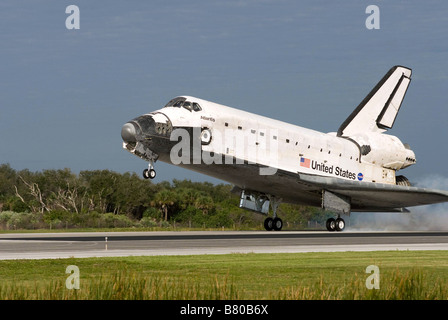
[114,244]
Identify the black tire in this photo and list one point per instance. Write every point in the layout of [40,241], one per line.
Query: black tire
[278,224]
[269,224]
[340,224]
[146,174]
[331,224]
[152,174]
[402,181]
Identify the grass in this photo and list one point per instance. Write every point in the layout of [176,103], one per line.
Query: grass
[403,275]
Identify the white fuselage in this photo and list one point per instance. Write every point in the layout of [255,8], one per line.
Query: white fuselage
[244,136]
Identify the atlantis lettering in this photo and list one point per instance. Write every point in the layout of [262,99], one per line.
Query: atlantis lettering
[338,171]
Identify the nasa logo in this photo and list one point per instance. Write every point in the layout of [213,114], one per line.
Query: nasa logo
[360,176]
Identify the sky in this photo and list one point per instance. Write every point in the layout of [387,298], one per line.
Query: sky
[65,93]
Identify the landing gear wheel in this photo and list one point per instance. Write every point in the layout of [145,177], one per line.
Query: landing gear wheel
[149,173]
[335,225]
[269,224]
[340,224]
[331,224]
[278,224]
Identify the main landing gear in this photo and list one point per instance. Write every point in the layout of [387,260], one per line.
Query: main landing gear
[274,223]
[335,224]
[149,173]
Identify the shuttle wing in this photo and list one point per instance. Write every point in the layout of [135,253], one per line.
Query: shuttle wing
[378,110]
[365,196]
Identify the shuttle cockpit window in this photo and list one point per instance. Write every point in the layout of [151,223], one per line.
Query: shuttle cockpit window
[187,105]
[196,107]
[181,102]
[176,102]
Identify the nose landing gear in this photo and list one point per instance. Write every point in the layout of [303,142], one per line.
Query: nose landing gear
[149,173]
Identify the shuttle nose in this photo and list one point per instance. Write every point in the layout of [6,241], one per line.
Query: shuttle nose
[128,133]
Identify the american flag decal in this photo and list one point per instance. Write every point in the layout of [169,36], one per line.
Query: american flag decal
[304,162]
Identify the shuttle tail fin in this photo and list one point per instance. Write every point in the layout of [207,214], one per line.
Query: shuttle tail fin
[378,110]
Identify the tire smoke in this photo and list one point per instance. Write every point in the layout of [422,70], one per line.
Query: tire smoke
[423,218]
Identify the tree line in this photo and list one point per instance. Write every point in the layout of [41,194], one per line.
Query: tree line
[59,198]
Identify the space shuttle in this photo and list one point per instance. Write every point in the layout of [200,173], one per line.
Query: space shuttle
[354,169]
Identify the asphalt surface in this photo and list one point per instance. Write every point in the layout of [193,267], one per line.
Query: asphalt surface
[103,244]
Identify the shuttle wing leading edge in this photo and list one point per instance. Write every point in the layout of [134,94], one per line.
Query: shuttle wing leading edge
[376,196]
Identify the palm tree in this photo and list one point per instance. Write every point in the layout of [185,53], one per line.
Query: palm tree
[165,199]
[187,197]
[204,203]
